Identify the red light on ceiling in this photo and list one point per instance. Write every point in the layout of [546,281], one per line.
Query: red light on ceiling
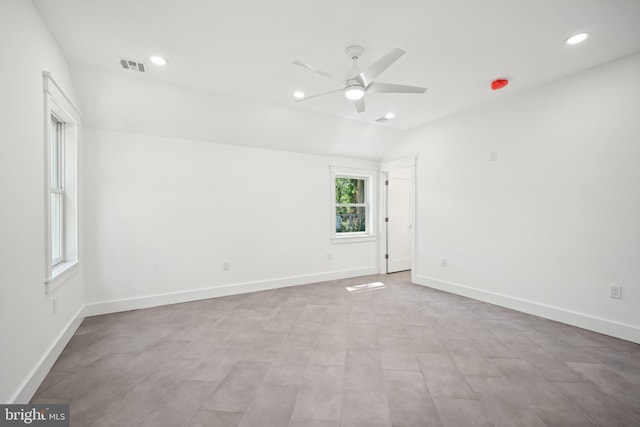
[499,84]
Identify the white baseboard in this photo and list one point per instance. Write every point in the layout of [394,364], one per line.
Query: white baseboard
[33,381]
[581,320]
[30,386]
[114,306]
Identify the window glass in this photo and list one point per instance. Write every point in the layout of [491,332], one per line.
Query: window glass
[57,191]
[350,219]
[350,190]
[57,217]
[351,205]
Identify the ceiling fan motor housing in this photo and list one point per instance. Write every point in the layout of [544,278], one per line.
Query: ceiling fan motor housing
[354,81]
[354,51]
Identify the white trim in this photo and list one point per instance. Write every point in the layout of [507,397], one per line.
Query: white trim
[57,102]
[114,306]
[597,324]
[354,169]
[353,238]
[403,163]
[48,89]
[371,186]
[34,379]
[382,226]
[60,274]
[385,168]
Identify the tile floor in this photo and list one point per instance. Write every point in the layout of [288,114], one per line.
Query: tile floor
[370,351]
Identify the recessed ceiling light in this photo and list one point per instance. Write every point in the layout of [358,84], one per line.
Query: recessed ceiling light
[158,60]
[389,116]
[577,38]
[298,94]
[354,92]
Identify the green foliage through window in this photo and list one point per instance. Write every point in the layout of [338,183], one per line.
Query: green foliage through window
[349,190]
[350,205]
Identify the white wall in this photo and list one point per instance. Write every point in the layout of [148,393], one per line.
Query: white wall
[123,101]
[556,219]
[28,326]
[164,213]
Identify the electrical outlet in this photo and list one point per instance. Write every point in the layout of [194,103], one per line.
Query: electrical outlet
[443,262]
[494,155]
[226,265]
[615,291]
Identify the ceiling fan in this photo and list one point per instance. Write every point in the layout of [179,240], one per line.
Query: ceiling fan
[358,82]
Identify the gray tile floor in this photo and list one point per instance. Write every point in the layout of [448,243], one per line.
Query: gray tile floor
[370,351]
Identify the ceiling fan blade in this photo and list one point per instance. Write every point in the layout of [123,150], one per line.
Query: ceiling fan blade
[375,69]
[318,94]
[392,88]
[315,70]
[359,103]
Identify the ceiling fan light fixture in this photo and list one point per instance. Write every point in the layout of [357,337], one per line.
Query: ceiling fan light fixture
[354,92]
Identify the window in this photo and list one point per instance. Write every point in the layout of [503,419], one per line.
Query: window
[61,138]
[56,164]
[352,204]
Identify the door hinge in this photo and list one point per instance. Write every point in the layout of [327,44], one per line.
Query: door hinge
[386,182]
[386,219]
[386,256]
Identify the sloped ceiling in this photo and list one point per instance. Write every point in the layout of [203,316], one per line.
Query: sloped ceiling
[125,102]
[245,47]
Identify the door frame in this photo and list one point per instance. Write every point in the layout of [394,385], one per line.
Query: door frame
[385,168]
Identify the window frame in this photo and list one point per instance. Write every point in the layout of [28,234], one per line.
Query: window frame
[56,186]
[364,205]
[62,122]
[369,177]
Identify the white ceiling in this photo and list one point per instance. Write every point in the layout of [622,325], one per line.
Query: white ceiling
[245,47]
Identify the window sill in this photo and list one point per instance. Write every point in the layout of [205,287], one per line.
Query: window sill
[353,238]
[59,275]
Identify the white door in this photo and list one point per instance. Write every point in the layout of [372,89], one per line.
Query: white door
[399,225]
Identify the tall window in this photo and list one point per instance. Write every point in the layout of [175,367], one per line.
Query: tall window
[352,204]
[57,190]
[61,185]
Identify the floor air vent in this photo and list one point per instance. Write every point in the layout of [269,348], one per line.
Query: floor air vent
[130,64]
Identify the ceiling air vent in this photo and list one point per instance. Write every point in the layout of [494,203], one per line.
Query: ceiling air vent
[382,120]
[130,64]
